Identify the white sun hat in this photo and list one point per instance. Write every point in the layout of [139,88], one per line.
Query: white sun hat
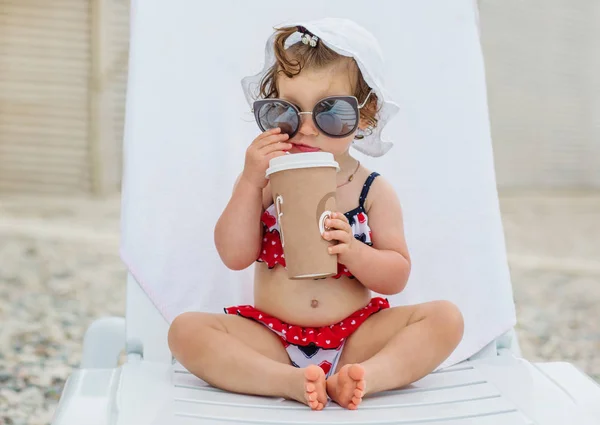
[346,38]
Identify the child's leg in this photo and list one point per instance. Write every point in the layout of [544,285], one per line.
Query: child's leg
[394,348]
[239,355]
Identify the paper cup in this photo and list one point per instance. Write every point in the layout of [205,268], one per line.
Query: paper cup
[304,188]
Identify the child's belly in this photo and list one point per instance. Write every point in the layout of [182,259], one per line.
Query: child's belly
[307,302]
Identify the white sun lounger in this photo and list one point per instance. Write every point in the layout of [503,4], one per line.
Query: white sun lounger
[187,128]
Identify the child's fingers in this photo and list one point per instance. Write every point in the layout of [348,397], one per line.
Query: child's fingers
[339,224]
[276,147]
[337,235]
[340,216]
[257,142]
[338,249]
[267,133]
[270,139]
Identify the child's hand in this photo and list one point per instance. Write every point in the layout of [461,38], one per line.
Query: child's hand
[339,229]
[265,147]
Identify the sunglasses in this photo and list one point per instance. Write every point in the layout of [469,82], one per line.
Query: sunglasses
[334,116]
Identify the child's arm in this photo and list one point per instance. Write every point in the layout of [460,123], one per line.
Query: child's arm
[238,233]
[239,230]
[385,267]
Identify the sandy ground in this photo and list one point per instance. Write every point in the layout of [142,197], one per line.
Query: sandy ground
[60,270]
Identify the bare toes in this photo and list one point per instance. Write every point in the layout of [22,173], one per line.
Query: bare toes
[314,387]
[347,387]
[356,372]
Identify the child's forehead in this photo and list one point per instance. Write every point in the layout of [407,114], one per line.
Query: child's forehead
[311,85]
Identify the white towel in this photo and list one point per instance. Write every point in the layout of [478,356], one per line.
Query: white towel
[188,126]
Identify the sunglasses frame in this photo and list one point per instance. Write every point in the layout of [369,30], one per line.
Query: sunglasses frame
[352,100]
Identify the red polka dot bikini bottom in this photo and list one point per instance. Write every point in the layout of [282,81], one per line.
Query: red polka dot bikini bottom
[321,346]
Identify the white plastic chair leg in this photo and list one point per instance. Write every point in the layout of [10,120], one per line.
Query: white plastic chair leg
[103,342]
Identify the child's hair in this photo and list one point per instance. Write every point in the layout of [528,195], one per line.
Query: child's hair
[301,56]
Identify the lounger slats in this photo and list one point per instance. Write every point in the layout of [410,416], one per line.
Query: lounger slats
[492,411]
[448,395]
[458,395]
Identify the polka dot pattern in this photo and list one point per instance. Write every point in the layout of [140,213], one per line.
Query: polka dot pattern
[327,337]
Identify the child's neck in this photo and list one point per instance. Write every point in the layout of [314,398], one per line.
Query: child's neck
[348,167]
[346,162]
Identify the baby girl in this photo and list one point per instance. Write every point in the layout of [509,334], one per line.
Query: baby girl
[335,338]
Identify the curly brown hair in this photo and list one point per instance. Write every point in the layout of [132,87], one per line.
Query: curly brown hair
[301,56]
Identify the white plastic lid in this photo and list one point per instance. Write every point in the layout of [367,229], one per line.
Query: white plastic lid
[301,160]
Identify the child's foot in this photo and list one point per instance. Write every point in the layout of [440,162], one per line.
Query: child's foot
[347,387]
[313,390]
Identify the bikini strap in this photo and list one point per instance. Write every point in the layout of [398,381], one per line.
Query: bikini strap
[365,189]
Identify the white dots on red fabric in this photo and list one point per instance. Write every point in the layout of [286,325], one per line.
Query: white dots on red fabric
[320,346]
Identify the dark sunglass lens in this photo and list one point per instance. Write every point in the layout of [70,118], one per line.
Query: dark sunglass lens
[336,117]
[277,114]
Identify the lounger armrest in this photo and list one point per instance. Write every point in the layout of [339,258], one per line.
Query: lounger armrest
[582,389]
[137,393]
[88,398]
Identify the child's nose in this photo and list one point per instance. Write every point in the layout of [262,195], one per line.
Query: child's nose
[307,126]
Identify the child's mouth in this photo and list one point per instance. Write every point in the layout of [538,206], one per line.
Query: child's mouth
[304,148]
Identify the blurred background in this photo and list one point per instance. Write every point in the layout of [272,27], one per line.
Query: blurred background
[63,78]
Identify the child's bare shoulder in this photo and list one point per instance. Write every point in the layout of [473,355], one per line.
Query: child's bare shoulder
[381,191]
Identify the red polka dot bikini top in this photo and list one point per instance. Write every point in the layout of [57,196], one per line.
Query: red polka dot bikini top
[272,251]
